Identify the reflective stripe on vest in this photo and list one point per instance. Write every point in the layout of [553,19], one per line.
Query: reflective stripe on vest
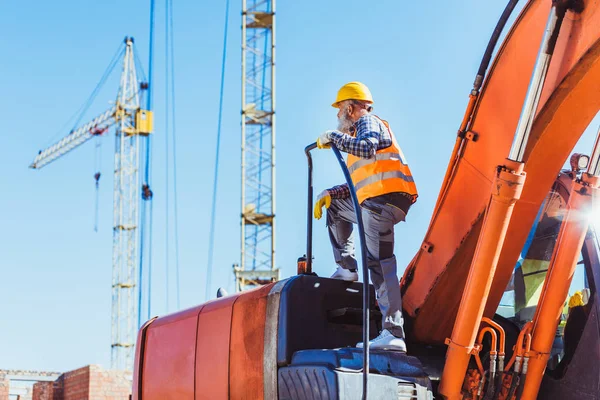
[381,177]
[385,172]
[378,157]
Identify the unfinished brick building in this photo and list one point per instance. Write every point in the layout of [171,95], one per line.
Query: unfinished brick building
[88,383]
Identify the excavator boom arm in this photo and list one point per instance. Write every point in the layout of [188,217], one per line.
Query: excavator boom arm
[438,273]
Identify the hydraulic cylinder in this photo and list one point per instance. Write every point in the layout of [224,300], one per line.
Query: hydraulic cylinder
[558,279]
[506,190]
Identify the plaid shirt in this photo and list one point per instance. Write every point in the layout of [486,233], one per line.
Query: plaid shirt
[371,135]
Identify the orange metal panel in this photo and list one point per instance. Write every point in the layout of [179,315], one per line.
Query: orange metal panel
[569,102]
[434,330]
[138,365]
[247,345]
[212,349]
[495,120]
[169,357]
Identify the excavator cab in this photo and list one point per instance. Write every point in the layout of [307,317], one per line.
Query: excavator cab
[572,370]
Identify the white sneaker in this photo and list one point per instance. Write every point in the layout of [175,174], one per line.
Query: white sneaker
[386,341]
[345,275]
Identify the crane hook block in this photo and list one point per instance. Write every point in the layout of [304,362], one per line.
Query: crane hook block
[144,122]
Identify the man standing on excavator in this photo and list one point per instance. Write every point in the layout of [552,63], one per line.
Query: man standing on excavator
[385,189]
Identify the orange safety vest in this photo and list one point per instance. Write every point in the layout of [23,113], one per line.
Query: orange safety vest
[387,172]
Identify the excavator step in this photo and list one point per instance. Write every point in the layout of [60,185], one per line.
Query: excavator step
[336,374]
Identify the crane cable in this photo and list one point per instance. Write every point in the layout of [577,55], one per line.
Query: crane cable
[97,174]
[98,145]
[111,66]
[174,134]
[170,127]
[167,173]
[78,115]
[211,235]
[146,192]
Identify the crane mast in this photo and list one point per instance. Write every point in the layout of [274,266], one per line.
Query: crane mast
[257,266]
[125,217]
[130,123]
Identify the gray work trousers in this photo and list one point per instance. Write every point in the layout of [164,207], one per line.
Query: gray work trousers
[379,221]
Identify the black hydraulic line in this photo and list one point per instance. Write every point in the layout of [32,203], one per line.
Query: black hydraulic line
[489,393]
[521,386]
[473,98]
[513,385]
[487,56]
[309,221]
[499,384]
[485,63]
[363,248]
[365,269]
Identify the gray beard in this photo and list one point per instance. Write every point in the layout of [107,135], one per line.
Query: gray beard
[344,124]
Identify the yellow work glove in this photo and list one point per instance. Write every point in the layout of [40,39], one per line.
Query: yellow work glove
[323,141]
[324,199]
[322,145]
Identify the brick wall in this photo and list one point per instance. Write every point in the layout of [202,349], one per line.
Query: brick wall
[88,383]
[109,385]
[47,391]
[4,385]
[76,384]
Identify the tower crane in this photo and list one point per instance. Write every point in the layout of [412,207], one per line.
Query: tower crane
[131,123]
[257,265]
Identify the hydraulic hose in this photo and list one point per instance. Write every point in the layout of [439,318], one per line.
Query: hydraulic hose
[489,394]
[485,63]
[480,388]
[487,56]
[523,378]
[363,249]
[473,97]
[521,386]
[501,354]
[499,385]
[493,355]
[513,385]
[365,269]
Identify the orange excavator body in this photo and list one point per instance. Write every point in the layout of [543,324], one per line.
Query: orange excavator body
[217,347]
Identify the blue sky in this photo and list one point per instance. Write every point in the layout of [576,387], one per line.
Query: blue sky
[56,271]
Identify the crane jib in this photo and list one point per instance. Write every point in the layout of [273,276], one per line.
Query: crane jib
[74,139]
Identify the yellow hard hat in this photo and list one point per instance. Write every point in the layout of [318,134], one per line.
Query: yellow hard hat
[576,300]
[353,91]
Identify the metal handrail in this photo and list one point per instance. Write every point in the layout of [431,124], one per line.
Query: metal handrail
[363,248]
[309,221]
